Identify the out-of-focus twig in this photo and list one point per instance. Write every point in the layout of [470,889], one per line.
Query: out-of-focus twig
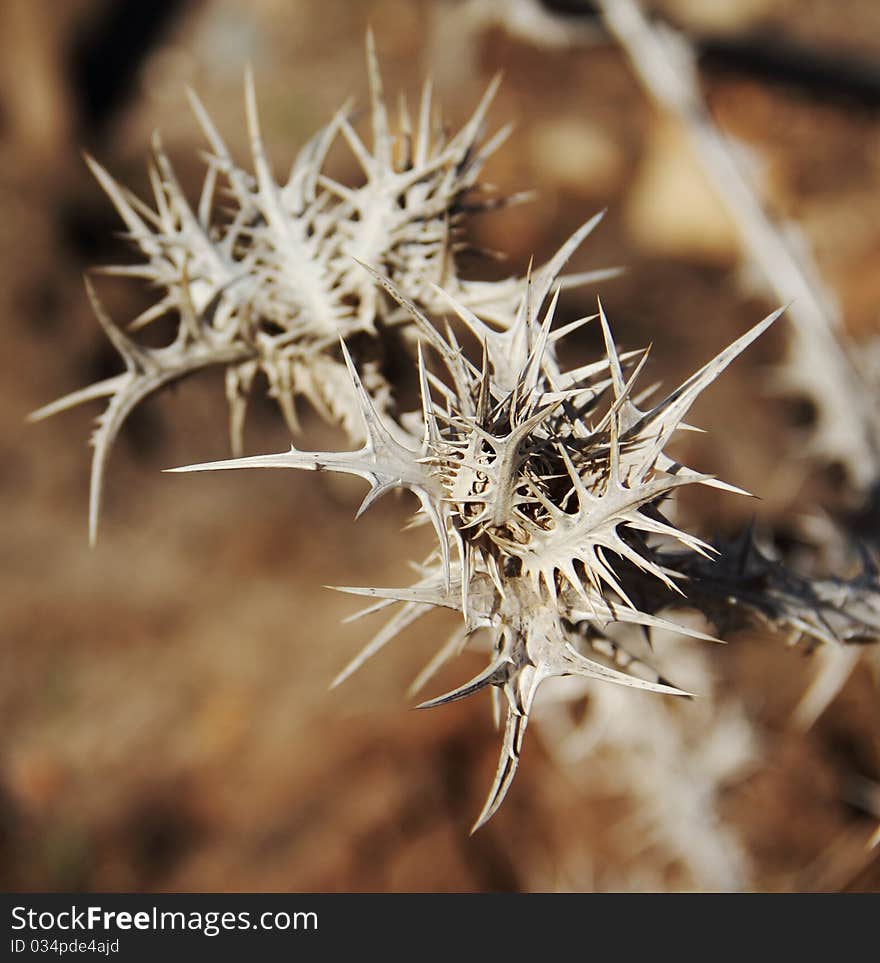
[33,94]
[532,20]
[819,363]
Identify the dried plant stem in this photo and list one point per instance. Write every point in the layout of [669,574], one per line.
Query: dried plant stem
[820,363]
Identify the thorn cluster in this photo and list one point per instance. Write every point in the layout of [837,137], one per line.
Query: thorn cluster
[261,276]
[546,489]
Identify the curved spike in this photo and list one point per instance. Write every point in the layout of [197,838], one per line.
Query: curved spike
[133,388]
[582,278]
[453,359]
[307,461]
[464,142]
[423,136]
[497,673]
[546,275]
[121,202]
[203,118]
[573,663]
[258,152]
[661,421]
[136,359]
[101,389]
[519,705]
[508,762]
[430,594]
[239,380]
[381,137]
[617,379]
[432,430]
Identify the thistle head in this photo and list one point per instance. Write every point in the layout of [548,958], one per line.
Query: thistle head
[546,488]
[267,282]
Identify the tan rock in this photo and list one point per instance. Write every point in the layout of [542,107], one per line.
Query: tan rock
[672,208]
[577,155]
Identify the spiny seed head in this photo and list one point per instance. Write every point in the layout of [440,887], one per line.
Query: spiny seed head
[547,487]
[268,281]
[546,490]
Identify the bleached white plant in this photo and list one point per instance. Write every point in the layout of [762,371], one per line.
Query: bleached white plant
[267,281]
[667,763]
[822,363]
[547,486]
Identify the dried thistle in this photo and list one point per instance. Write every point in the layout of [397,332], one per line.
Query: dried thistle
[822,363]
[744,581]
[668,762]
[271,284]
[545,488]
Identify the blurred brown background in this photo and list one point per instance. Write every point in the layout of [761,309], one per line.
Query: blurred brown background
[165,722]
